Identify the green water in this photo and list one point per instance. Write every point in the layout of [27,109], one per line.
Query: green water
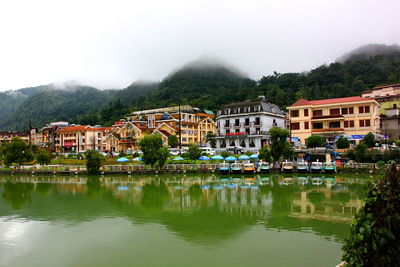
[176,220]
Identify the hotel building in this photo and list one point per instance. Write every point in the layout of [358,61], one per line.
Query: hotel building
[246,124]
[353,117]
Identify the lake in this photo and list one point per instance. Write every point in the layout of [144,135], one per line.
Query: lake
[176,220]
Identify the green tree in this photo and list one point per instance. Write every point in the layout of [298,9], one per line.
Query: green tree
[315,141]
[375,234]
[369,139]
[360,152]
[210,138]
[194,152]
[342,143]
[225,154]
[173,141]
[397,142]
[44,157]
[280,146]
[17,151]
[264,154]
[93,162]
[154,153]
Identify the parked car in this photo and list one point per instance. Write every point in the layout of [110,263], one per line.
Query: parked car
[208,150]
[174,151]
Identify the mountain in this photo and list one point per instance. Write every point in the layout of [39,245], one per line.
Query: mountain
[370,50]
[60,102]
[203,83]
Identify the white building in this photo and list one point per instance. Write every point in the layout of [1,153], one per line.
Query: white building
[246,124]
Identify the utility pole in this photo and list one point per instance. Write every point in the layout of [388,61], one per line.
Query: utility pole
[180,132]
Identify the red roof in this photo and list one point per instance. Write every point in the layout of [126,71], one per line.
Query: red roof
[384,86]
[81,128]
[303,102]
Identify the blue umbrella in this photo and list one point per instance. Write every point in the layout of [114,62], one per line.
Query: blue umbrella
[244,157]
[123,159]
[254,156]
[178,158]
[231,158]
[204,158]
[218,157]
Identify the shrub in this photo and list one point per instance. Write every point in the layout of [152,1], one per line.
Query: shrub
[44,157]
[315,141]
[225,154]
[342,143]
[369,140]
[375,234]
[93,162]
[265,154]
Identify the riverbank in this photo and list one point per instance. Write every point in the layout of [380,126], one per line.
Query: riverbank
[354,168]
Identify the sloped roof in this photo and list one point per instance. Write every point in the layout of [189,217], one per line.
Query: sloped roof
[303,102]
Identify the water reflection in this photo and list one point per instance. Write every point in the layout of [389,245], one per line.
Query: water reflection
[198,208]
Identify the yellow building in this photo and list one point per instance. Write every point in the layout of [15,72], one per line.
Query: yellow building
[353,117]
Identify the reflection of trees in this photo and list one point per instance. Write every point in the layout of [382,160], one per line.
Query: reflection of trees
[154,195]
[43,188]
[17,194]
[316,197]
[264,189]
[195,192]
[93,186]
[282,197]
[342,197]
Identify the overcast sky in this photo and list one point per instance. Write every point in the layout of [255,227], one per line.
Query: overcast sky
[110,44]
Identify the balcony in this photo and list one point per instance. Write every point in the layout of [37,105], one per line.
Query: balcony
[237,125]
[246,125]
[324,117]
[326,130]
[257,123]
[227,126]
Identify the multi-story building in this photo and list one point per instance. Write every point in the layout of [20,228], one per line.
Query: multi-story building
[390,123]
[353,117]
[246,124]
[192,124]
[46,136]
[80,138]
[382,91]
[6,136]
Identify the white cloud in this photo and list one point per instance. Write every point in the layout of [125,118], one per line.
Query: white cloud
[112,43]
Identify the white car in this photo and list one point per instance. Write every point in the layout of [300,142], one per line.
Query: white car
[208,150]
[174,151]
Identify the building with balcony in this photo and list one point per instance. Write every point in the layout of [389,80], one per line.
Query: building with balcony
[46,136]
[353,117]
[7,136]
[246,124]
[80,138]
[382,91]
[390,123]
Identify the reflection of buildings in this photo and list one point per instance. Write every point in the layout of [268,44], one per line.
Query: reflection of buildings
[327,209]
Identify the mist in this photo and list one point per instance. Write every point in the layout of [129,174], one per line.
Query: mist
[110,44]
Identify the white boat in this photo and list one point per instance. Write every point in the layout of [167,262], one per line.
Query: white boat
[316,167]
[287,166]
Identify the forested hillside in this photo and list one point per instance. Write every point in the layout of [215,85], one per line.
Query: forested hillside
[205,85]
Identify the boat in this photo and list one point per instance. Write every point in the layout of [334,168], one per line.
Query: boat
[248,168]
[224,179]
[302,167]
[329,181]
[302,180]
[264,167]
[263,180]
[237,179]
[287,180]
[316,167]
[287,166]
[224,168]
[329,167]
[316,181]
[236,167]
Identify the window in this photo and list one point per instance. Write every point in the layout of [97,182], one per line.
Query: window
[257,130]
[257,121]
[360,109]
[317,113]
[334,124]
[366,109]
[351,110]
[226,123]
[367,123]
[362,123]
[317,125]
[228,131]
[294,113]
[237,130]
[306,125]
[346,124]
[345,111]
[252,144]
[334,111]
[351,123]
[306,112]
[247,122]
[394,105]
[237,122]
[295,126]
[247,131]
